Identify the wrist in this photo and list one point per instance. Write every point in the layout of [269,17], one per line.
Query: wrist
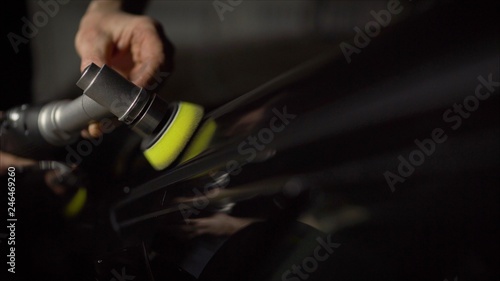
[104,5]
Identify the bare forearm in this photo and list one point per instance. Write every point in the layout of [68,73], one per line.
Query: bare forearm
[104,5]
[130,6]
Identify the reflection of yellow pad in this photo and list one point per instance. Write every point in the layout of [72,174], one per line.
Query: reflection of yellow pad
[200,141]
[173,140]
[76,203]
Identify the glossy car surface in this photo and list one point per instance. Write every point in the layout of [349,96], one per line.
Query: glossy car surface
[392,159]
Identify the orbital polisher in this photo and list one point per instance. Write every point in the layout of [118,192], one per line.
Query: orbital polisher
[165,127]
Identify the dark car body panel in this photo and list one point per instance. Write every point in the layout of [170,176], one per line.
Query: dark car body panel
[321,140]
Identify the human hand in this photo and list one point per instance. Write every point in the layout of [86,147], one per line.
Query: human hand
[133,45]
[219,224]
[9,160]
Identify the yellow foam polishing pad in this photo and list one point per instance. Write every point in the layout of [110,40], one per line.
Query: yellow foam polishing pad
[175,137]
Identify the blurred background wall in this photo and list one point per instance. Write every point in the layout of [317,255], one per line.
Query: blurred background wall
[216,59]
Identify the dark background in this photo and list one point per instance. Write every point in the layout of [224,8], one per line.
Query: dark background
[217,61]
